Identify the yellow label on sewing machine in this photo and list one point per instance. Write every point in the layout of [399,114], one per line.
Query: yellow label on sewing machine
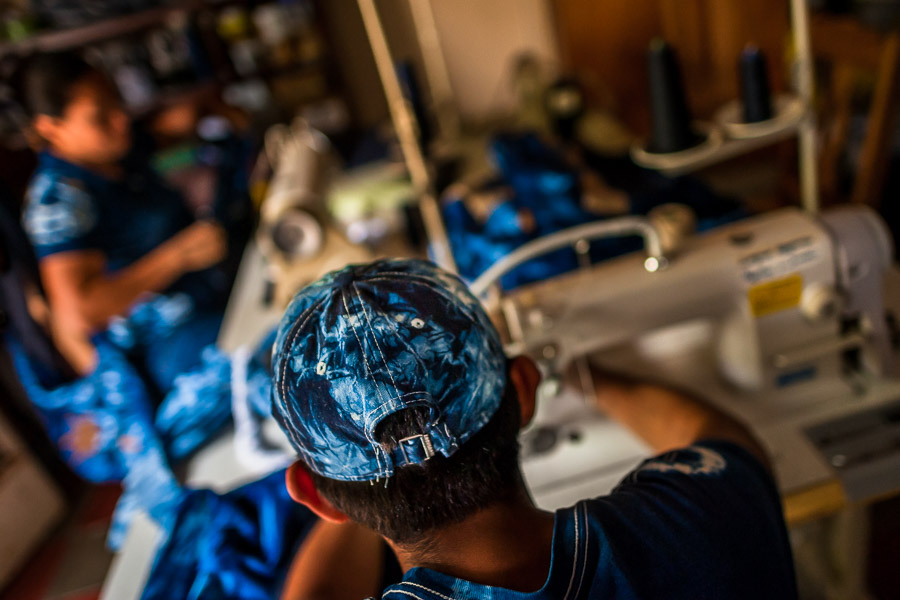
[773,296]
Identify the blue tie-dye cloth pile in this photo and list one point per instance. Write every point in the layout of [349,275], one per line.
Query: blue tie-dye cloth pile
[537,191]
[112,426]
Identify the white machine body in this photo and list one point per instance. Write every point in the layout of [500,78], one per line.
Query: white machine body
[794,341]
[296,235]
[291,214]
[793,297]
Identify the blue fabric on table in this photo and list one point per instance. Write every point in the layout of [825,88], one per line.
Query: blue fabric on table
[165,335]
[103,427]
[549,189]
[237,545]
[198,406]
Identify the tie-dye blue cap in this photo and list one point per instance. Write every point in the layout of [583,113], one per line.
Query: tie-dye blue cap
[369,340]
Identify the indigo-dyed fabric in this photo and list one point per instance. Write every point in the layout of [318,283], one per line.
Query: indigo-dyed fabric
[108,428]
[702,522]
[103,427]
[197,407]
[369,340]
[111,426]
[548,189]
[165,335]
[233,546]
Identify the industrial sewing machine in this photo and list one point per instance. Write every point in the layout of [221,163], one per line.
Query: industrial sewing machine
[779,318]
[296,236]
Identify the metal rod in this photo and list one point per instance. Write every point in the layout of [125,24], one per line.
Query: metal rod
[435,67]
[621,226]
[803,63]
[405,125]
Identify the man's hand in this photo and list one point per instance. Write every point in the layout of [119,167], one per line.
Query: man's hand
[198,246]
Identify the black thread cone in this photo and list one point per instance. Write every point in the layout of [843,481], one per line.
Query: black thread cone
[669,116]
[755,95]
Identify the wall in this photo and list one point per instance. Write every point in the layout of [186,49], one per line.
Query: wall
[605,42]
[479,38]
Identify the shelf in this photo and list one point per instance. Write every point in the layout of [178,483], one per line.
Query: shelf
[268,72]
[52,41]
[107,29]
[175,94]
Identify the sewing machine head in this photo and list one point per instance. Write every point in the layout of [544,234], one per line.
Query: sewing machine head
[792,297]
[291,216]
[296,236]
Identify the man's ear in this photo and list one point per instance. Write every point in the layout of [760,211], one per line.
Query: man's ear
[525,377]
[46,127]
[302,489]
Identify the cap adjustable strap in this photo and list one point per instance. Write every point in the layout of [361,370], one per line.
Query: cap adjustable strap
[413,450]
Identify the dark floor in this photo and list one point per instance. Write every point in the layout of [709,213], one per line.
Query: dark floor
[73,563]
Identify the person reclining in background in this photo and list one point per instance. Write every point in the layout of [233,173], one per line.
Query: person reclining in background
[392,385]
[106,229]
[135,289]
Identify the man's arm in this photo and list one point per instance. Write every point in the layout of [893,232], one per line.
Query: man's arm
[713,514]
[666,418]
[337,561]
[82,292]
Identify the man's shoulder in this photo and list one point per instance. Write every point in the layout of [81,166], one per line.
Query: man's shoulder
[704,459]
[58,209]
[711,506]
[702,479]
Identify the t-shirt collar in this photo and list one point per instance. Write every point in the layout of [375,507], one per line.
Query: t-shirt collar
[48,160]
[566,568]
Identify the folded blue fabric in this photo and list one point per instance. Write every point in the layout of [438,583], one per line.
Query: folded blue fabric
[236,545]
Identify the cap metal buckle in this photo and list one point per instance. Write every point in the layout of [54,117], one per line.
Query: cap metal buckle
[427,448]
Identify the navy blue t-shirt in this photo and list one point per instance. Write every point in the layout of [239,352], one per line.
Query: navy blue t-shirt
[701,522]
[70,208]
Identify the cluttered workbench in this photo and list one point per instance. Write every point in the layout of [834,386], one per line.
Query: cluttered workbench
[822,399]
[783,319]
[829,434]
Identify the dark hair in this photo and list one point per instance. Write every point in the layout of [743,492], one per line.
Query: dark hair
[443,490]
[43,84]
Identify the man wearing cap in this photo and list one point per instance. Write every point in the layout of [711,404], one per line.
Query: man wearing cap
[392,385]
